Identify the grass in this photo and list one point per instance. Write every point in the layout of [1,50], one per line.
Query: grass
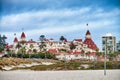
[58,65]
[13,61]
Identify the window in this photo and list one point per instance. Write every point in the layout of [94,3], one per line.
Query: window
[110,42]
[103,49]
[76,55]
[110,37]
[103,42]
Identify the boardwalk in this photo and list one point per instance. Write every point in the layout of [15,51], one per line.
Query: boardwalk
[60,75]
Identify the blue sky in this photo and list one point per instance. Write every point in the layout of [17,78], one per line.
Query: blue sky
[54,18]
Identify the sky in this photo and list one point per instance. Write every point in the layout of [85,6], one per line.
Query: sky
[55,18]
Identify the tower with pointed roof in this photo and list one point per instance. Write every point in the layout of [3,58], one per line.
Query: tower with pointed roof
[88,35]
[23,37]
[88,40]
[15,40]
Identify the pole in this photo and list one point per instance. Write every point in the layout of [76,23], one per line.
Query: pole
[94,61]
[65,60]
[105,57]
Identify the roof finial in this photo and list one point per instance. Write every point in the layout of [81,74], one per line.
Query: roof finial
[14,34]
[87,24]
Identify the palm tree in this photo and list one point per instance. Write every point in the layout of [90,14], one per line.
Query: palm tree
[23,50]
[42,46]
[87,54]
[29,51]
[31,47]
[18,46]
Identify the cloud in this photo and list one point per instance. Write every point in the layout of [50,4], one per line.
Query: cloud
[39,18]
[64,20]
[50,18]
[19,6]
[55,23]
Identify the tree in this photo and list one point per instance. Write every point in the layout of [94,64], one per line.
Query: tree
[87,54]
[112,56]
[72,46]
[83,52]
[22,42]
[99,54]
[21,52]
[31,47]
[109,49]
[18,46]
[1,48]
[34,51]
[42,38]
[2,40]
[62,38]
[63,50]
[42,45]
[29,51]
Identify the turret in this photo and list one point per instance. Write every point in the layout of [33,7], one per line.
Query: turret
[88,35]
[15,40]
[88,40]
[23,36]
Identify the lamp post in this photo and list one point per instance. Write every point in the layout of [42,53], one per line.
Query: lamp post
[105,57]
[65,60]
[94,61]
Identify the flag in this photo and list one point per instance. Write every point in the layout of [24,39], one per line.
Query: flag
[14,34]
[87,24]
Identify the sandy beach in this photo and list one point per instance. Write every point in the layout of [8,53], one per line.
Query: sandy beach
[60,75]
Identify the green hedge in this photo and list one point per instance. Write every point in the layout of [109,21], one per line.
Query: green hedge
[41,55]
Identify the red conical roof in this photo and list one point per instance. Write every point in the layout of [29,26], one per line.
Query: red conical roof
[23,35]
[15,39]
[88,32]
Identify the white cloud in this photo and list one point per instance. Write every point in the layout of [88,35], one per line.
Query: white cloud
[50,22]
[55,18]
[39,17]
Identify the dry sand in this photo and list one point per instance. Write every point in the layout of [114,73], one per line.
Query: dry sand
[60,75]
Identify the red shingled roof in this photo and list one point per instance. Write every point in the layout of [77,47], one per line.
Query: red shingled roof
[79,40]
[9,46]
[90,44]
[70,52]
[30,42]
[15,39]
[23,35]
[92,54]
[51,39]
[1,53]
[77,52]
[65,40]
[54,51]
